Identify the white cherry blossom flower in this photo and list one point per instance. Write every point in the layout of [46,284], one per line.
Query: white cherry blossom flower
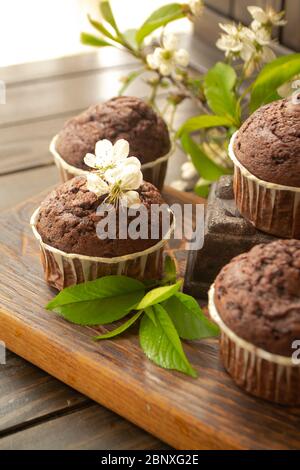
[107,155]
[124,181]
[119,183]
[259,56]
[253,47]
[165,59]
[130,199]
[128,175]
[237,40]
[262,37]
[196,7]
[116,175]
[266,18]
[96,184]
[288,88]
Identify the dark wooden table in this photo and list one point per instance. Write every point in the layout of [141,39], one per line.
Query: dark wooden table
[36,410]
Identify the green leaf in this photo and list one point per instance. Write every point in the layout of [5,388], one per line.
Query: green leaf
[121,329]
[150,312]
[161,343]
[160,294]
[98,302]
[204,165]
[272,76]
[108,15]
[204,121]
[101,28]
[188,318]
[130,37]
[203,187]
[160,17]
[219,84]
[170,274]
[91,40]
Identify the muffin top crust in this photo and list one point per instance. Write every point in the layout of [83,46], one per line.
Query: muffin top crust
[67,221]
[268,143]
[124,117]
[257,296]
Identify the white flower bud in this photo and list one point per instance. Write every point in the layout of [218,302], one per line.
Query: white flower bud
[258,14]
[196,7]
[166,68]
[188,171]
[182,57]
[170,42]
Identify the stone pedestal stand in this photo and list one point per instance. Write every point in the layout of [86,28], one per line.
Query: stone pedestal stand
[227,235]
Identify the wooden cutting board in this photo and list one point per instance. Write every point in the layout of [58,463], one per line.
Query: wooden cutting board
[205,413]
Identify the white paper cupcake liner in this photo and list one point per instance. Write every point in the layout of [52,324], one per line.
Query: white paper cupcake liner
[153,172]
[272,208]
[262,374]
[66,269]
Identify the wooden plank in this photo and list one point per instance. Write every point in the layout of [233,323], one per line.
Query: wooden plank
[19,186]
[207,413]
[79,63]
[93,428]
[32,101]
[291,32]
[28,394]
[26,146]
[221,6]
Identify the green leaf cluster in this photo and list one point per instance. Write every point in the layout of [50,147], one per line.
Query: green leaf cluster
[166,314]
[273,75]
[219,86]
[133,38]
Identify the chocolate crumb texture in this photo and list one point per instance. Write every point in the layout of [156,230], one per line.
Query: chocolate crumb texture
[268,143]
[124,117]
[68,220]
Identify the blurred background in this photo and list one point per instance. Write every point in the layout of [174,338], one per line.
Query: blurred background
[43,29]
[46,29]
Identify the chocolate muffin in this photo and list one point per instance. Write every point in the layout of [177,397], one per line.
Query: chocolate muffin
[266,157]
[124,117]
[66,226]
[67,221]
[268,143]
[256,301]
[258,296]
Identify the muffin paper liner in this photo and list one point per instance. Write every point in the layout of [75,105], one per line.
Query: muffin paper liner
[66,269]
[153,172]
[262,374]
[272,208]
